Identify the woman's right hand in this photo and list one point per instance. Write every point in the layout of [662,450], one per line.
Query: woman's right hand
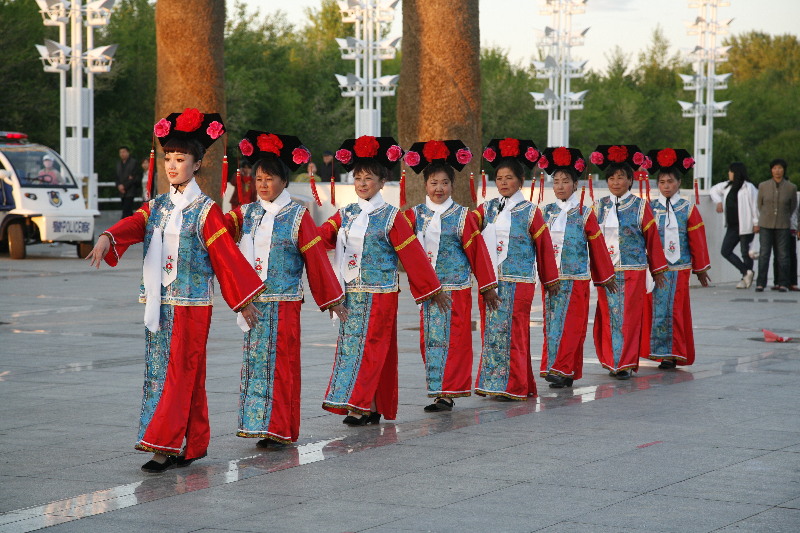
[720,209]
[99,251]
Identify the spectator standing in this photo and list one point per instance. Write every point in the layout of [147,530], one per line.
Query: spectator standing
[129,183]
[327,168]
[740,210]
[777,200]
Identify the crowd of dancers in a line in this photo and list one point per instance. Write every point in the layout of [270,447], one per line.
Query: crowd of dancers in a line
[638,252]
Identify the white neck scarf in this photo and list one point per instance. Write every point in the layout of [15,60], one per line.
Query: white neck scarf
[611,227]
[161,262]
[431,234]
[672,242]
[559,226]
[497,233]
[350,241]
[256,245]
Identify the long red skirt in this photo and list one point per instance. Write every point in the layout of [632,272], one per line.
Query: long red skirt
[566,318]
[667,327]
[618,322]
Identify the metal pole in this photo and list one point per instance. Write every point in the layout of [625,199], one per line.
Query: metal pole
[712,36]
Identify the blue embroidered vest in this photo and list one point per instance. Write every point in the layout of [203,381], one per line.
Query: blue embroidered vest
[452,265]
[633,251]
[285,269]
[682,209]
[575,250]
[520,263]
[195,282]
[378,260]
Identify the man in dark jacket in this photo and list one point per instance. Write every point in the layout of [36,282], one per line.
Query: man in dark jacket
[777,200]
[129,180]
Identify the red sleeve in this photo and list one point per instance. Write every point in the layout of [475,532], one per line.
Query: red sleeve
[239,282]
[698,247]
[329,230]
[477,254]
[411,215]
[545,257]
[233,223]
[126,232]
[655,250]
[600,264]
[421,276]
[480,213]
[322,280]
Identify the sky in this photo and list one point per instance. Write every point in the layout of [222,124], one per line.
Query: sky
[512,24]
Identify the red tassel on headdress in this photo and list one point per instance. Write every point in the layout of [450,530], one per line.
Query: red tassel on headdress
[483,184]
[402,188]
[641,189]
[696,193]
[472,190]
[333,190]
[591,189]
[648,190]
[314,192]
[583,194]
[239,191]
[150,171]
[224,185]
[541,189]
[533,188]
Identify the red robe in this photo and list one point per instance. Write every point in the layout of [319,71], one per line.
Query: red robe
[682,336]
[273,347]
[372,337]
[449,370]
[182,410]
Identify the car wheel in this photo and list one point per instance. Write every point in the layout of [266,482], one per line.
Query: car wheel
[16,241]
[84,249]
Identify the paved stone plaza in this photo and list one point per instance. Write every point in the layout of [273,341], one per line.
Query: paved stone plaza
[713,447]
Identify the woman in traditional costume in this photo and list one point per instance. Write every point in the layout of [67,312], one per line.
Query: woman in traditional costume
[185,245]
[369,237]
[576,239]
[518,241]
[278,237]
[452,241]
[667,336]
[633,243]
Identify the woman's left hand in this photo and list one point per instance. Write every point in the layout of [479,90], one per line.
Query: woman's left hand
[491,299]
[553,289]
[251,315]
[703,278]
[660,280]
[442,300]
[340,310]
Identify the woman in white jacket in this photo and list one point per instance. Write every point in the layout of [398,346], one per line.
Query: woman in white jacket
[741,215]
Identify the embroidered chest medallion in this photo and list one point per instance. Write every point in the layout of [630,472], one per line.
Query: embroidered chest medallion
[168,265]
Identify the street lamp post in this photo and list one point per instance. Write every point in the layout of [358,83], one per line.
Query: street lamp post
[367,85]
[76,123]
[559,69]
[704,82]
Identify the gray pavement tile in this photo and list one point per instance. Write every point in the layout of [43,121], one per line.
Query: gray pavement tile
[724,485]
[573,527]
[476,518]
[668,513]
[791,504]
[22,492]
[329,515]
[774,520]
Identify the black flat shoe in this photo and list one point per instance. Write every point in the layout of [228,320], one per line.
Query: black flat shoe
[503,399]
[441,404]
[351,420]
[153,467]
[183,462]
[373,418]
[558,382]
[667,364]
[623,374]
[759,289]
[271,444]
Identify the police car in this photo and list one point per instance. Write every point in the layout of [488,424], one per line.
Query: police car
[39,199]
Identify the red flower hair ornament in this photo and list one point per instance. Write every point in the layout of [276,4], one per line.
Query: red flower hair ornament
[246,147]
[509,147]
[666,157]
[189,120]
[617,154]
[344,156]
[412,158]
[562,157]
[366,146]
[394,153]
[435,150]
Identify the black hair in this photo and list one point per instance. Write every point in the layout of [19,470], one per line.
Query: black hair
[371,166]
[438,166]
[669,171]
[739,175]
[124,147]
[779,161]
[569,171]
[272,166]
[513,165]
[184,145]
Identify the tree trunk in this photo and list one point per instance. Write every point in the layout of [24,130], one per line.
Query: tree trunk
[190,73]
[439,93]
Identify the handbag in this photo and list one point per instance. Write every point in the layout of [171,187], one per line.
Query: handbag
[755,248]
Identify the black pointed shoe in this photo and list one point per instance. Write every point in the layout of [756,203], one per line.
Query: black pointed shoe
[441,404]
[154,467]
[667,364]
[373,418]
[351,420]
[182,462]
[271,444]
